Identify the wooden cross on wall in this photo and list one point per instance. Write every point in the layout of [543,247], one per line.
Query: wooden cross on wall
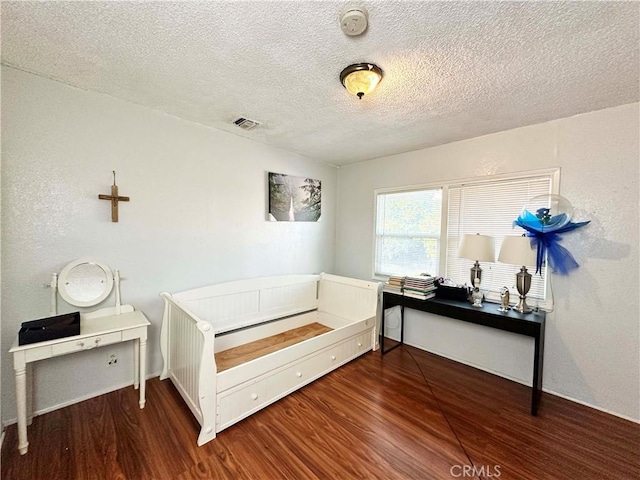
[114,199]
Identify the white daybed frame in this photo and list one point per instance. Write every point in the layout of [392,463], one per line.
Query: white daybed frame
[198,323]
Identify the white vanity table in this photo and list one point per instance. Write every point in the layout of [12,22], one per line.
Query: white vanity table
[106,326]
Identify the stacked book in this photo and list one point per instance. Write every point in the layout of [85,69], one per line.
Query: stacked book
[394,285]
[421,287]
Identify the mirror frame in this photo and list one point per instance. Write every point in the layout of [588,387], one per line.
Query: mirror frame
[62,281]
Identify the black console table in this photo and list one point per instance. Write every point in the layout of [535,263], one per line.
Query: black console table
[529,324]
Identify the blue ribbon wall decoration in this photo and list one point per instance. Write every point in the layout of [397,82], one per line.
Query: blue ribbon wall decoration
[545,229]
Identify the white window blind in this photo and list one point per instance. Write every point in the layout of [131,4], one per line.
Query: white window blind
[408,232]
[490,209]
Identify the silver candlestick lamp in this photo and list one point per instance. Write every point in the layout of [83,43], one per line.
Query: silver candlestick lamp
[518,251]
[481,248]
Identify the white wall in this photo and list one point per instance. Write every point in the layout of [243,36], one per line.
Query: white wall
[197,215]
[60,144]
[592,337]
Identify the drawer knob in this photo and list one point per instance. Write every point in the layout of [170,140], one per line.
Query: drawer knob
[97,341]
[298,374]
[359,344]
[254,396]
[80,344]
[333,357]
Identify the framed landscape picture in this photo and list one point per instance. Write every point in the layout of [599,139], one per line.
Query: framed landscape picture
[294,199]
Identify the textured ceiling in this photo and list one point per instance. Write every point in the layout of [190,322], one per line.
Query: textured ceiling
[453,70]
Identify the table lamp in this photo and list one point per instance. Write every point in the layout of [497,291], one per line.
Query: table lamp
[481,248]
[518,251]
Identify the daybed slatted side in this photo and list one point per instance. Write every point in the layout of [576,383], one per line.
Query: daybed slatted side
[187,349]
[348,297]
[351,298]
[234,305]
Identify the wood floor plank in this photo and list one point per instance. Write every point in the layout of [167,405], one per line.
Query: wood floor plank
[252,350]
[405,425]
[407,415]
[93,439]
[565,441]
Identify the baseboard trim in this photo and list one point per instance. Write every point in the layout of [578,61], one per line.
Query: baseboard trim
[78,400]
[527,383]
[595,407]
[474,365]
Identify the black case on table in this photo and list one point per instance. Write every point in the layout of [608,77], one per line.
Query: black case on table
[452,293]
[49,328]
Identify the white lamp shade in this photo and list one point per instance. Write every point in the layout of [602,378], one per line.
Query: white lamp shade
[477,247]
[517,251]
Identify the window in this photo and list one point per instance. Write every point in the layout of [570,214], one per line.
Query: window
[408,232]
[419,230]
[490,209]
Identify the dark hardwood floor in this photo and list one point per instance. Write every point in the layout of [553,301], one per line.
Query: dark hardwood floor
[407,415]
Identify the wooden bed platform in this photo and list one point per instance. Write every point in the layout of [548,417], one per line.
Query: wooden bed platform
[250,351]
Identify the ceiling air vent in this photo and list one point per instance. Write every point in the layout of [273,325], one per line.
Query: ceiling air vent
[245,123]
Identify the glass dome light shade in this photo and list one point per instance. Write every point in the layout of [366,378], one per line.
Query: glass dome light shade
[361,79]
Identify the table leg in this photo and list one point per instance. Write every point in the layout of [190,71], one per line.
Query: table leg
[21,398]
[382,352]
[143,373]
[136,363]
[384,308]
[401,324]
[29,381]
[538,358]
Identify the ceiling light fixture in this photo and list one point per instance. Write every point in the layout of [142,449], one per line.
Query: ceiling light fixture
[361,79]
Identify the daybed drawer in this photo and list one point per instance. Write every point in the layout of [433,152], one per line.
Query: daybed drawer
[263,391]
[350,348]
[269,388]
[320,363]
[237,405]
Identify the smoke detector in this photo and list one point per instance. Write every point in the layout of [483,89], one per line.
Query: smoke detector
[353,21]
[245,123]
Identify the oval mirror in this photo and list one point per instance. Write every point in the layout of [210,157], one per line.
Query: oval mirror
[85,283]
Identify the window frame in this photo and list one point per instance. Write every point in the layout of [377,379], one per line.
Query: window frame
[553,173]
[443,192]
